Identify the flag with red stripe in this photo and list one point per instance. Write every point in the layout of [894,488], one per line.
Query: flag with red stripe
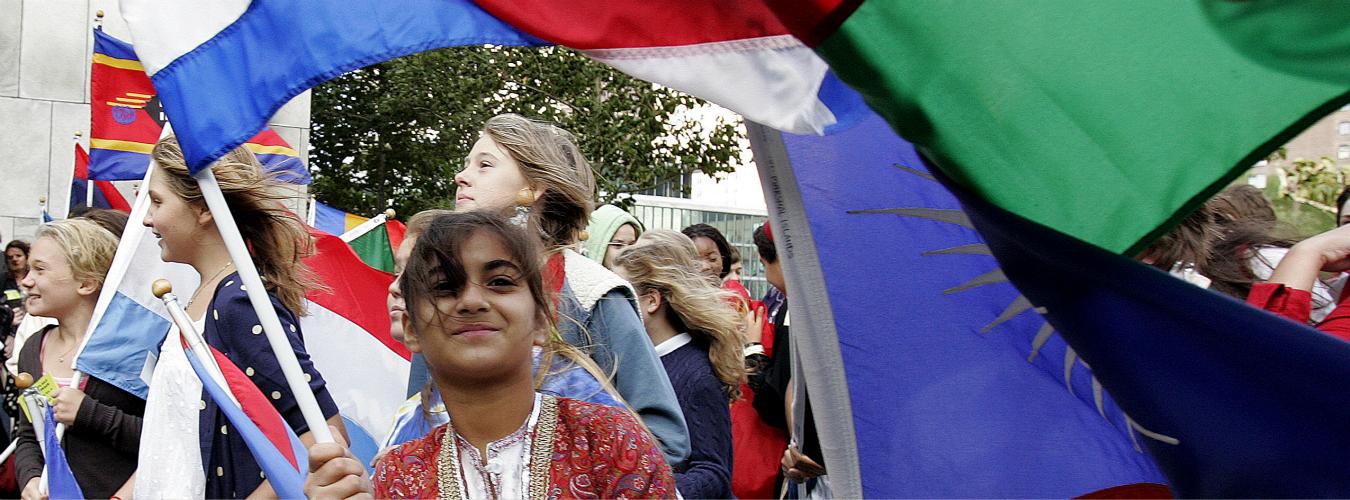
[105,194]
[347,336]
[273,444]
[126,120]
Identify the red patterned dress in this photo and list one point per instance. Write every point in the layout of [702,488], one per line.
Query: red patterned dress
[577,450]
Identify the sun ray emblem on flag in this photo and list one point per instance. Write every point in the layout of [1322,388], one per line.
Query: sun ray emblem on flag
[1019,305]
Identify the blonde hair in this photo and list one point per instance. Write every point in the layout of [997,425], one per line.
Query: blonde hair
[549,156]
[420,221]
[665,262]
[277,239]
[87,246]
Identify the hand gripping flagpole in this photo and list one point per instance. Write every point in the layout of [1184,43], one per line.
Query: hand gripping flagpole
[257,295]
[33,403]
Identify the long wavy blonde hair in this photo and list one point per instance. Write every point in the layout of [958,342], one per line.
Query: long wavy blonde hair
[277,239]
[666,262]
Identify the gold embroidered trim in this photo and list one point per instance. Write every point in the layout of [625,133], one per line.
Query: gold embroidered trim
[447,468]
[541,455]
[541,450]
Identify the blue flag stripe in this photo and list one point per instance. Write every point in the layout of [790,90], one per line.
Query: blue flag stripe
[287,481]
[934,364]
[115,165]
[300,55]
[61,483]
[106,44]
[117,357]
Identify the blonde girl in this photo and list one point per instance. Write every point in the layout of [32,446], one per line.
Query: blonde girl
[698,338]
[68,262]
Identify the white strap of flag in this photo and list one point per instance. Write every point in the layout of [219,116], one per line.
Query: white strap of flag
[364,228]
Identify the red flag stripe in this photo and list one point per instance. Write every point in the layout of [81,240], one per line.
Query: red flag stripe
[356,291]
[256,406]
[594,24]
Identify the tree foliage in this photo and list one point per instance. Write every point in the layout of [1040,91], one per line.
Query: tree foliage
[399,130]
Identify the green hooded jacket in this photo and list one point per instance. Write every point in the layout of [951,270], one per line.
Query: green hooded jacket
[605,221]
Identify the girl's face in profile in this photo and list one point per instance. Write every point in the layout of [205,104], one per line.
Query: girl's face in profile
[175,221]
[490,179]
[481,329]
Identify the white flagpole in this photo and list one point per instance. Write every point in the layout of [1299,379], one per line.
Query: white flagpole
[313,207]
[196,343]
[257,295]
[364,228]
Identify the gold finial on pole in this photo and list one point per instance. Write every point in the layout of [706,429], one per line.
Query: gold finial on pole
[23,380]
[161,287]
[389,213]
[98,19]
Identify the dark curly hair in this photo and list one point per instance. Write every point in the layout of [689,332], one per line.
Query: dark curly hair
[711,233]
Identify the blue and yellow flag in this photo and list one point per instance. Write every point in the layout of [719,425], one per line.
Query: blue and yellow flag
[127,120]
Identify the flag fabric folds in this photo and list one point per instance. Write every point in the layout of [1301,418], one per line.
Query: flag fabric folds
[129,321]
[376,240]
[1236,399]
[126,120]
[940,378]
[105,194]
[273,444]
[61,484]
[735,54]
[1105,121]
[347,335]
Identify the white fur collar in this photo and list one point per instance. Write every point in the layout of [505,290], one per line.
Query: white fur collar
[590,281]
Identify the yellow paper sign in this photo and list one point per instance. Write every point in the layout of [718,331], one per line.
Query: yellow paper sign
[47,386]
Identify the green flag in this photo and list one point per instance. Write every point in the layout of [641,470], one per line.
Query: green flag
[1104,120]
[374,249]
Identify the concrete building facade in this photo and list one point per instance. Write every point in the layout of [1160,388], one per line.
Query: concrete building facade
[45,56]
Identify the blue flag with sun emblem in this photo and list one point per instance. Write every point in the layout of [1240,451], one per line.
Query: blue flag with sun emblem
[1240,402]
[937,377]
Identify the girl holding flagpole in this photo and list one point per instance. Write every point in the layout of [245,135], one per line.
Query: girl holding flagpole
[194,450]
[476,305]
[534,173]
[70,258]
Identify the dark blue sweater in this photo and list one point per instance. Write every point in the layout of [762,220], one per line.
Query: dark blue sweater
[707,472]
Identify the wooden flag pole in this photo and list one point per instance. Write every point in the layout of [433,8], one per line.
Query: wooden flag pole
[257,295]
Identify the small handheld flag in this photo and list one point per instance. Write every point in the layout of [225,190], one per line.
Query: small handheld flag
[61,484]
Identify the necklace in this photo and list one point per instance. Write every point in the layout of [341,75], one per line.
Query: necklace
[536,457]
[208,282]
[61,358]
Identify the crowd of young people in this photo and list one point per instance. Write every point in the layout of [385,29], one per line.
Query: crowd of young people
[559,350]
